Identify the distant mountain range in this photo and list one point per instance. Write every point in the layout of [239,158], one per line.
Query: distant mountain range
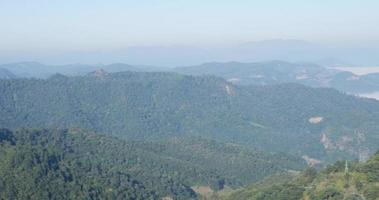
[180,55]
[260,73]
[276,72]
[38,70]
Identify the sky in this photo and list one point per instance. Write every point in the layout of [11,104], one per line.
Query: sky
[88,24]
[92,25]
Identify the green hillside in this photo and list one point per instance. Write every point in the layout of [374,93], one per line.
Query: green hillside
[52,164]
[353,181]
[316,123]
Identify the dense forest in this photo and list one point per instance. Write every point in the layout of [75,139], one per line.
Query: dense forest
[73,163]
[140,135]
[189,100]
[343,180]
[317,123]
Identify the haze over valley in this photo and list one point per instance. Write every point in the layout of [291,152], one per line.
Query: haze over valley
[172,100]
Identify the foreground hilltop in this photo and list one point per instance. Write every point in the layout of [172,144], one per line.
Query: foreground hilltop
[77,164]
[343,180]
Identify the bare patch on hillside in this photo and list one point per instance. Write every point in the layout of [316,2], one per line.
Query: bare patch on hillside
[302,77]
[205,191]
[353,78]
[311,161]
[257,76]
[315,120]
[234,80]
[257,125]
[351,143]
[229,90]
[326,142]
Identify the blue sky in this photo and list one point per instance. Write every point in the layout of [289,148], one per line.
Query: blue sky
[65,25]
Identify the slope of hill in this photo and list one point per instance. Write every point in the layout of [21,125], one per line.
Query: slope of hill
[276,72]
[6,74]
[314,123]
[51,164]
[339,181]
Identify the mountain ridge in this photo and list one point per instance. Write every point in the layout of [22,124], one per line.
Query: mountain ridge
[159,105]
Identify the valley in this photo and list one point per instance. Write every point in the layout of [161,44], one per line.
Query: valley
[189,100]
[157,106]
[171,135]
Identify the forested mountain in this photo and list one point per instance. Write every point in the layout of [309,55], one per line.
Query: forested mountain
[6,74]
[276,72]
[76,164]
[259,73]
[343,180]
[314,123]
[39,70]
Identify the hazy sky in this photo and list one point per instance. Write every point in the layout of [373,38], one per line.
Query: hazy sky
[40,25]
